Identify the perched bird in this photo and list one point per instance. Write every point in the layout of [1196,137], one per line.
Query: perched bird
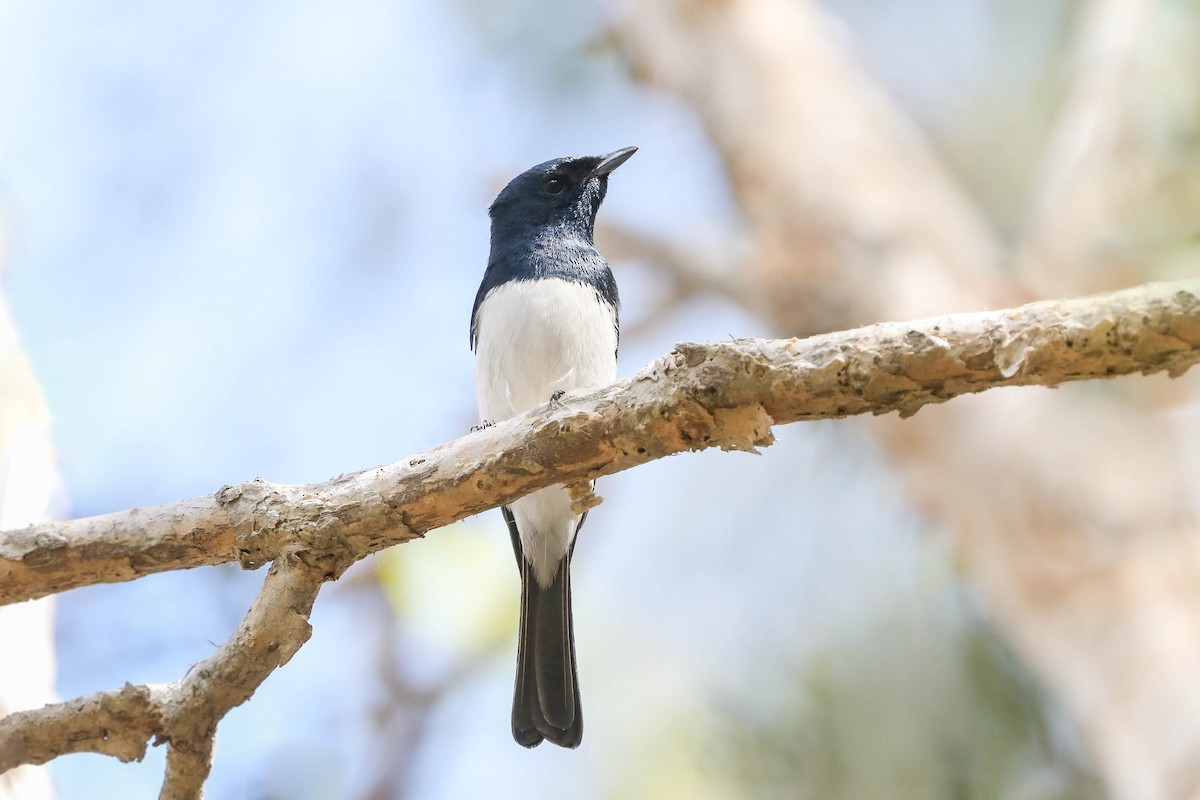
[545,322]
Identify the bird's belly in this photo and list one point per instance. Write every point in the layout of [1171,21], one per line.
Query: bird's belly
[537,337]
[533,338]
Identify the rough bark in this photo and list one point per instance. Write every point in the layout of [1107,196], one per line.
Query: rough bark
[725,394]
[183,714]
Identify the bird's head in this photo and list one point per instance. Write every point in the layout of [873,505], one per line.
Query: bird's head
[563,193]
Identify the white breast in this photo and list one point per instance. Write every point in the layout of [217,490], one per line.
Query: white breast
[533,338]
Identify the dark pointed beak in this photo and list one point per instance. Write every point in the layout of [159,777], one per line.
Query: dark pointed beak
[611,161]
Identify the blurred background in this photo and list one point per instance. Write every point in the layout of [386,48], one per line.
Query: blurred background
[243,240]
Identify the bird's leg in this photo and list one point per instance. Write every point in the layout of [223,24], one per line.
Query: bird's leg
[487,423]
[556,398]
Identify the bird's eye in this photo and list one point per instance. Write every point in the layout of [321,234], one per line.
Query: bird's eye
[553,186]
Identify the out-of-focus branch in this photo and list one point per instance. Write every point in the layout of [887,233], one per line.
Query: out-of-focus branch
[690,268]
[700,268]
[28,479]
[1086,175]
[726,394]
[850,215]
[403,711]
[1089,571]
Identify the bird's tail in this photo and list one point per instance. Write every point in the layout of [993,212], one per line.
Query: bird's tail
[546,698]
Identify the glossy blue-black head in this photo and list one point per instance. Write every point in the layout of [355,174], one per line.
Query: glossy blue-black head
[561,194]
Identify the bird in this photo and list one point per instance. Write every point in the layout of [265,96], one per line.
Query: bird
[545,322]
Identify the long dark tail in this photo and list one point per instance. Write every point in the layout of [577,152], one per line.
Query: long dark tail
[546,696]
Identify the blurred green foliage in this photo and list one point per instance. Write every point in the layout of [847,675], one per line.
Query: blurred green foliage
[915,707]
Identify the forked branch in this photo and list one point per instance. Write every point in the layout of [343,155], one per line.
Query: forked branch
[724,394]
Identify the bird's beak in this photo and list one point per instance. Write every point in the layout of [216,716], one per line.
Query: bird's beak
[611,161]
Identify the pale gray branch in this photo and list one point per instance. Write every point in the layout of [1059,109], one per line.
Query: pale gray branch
[725,394]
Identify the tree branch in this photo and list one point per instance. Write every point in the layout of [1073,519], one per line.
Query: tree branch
[726,394]
[188,765]
[183,714]
[117,723]
[1086,556]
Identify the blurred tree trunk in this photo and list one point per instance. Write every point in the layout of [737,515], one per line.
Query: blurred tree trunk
[1071,511]
[27,481]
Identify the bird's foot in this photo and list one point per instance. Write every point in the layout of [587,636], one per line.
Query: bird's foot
[487,423]
[556,398]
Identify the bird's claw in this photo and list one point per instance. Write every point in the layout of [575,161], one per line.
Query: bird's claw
[556,398]
[487,423]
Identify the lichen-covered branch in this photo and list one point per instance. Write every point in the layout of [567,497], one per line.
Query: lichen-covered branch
[724,394]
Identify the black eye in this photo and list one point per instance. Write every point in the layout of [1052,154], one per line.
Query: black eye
[554,186]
